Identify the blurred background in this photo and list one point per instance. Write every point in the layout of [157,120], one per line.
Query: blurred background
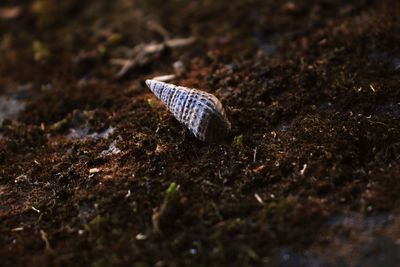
[95,171]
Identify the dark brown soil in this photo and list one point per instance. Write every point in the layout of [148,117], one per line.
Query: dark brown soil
[94,171]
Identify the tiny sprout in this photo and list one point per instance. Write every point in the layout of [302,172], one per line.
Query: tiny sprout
[172,188]
[101,51]
[45,87]
[40,52]
[150,103]
[114,38]
[238,140]
[59,124]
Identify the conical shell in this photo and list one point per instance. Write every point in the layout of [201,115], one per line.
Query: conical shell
[202,113]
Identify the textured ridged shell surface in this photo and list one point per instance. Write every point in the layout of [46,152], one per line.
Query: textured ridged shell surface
[202,113]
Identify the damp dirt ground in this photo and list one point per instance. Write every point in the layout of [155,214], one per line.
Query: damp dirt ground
[94,171]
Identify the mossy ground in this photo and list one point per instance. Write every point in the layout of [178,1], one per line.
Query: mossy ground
[93,173]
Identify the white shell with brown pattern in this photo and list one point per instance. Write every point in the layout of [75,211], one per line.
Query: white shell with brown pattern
[193,108]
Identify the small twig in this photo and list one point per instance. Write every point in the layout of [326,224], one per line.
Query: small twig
[164,78]
[145,53]
[302,171]
[157,27]
[179,42]
[43,235]
[259,199]
[125,69]
[372,88]
[35,209]
[119,61]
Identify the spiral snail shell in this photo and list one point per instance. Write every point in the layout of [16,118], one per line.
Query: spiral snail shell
[202,113]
